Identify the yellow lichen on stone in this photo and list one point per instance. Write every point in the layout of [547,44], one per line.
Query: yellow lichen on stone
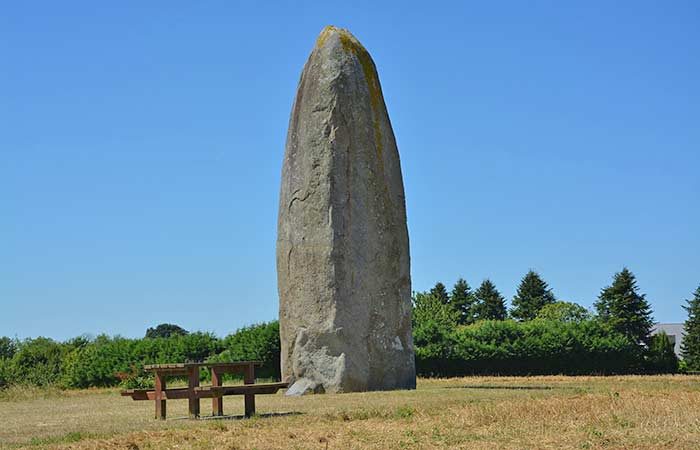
[352,45]
[324,35]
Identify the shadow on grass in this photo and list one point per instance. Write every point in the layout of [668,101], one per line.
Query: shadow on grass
[241,417]
[496,386]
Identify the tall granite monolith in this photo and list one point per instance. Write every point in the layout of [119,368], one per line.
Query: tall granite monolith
[343,261]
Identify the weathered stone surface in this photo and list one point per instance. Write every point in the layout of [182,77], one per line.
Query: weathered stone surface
[342,249]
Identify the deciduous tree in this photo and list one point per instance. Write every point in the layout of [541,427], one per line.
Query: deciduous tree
[564,312]
[166,330]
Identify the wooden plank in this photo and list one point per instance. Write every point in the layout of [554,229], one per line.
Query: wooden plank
[234,364]
[217,403]
[171,366]
[172,371]
[164,366]
[193,382]
[205,391]
[249,399]
[169,394]
[158,394]
[217,391]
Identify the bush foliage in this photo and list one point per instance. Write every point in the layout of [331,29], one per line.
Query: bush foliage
[255,343]
[106,361]
[661,357]
[508,347]
[109,361]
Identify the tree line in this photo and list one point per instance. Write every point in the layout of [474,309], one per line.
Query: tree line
[460,332]
[472,331]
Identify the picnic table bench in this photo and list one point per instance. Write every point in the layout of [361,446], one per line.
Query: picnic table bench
[194,392]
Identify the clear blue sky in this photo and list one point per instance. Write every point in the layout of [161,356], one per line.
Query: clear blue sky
[141,149]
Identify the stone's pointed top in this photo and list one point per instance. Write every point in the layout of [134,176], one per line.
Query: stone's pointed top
[347,40]
[329,31]
[340,45]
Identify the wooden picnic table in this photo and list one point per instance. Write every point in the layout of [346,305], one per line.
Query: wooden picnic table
[194,392]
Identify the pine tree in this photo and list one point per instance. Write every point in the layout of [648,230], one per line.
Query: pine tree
[624,309]
[690,348]
[533,293]
[490,304]
[462,300]
[440,293]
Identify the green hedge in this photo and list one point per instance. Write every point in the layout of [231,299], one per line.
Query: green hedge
[538,347]
[109,361]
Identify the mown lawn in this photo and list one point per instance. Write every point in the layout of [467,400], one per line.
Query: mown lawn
[630,412]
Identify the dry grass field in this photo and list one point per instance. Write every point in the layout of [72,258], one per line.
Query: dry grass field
[650,412]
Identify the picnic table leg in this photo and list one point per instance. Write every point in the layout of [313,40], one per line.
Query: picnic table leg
[160,401]
[249,378]
[217,403]
[193,382]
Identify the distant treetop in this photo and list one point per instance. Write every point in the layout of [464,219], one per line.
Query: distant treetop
[440,293]
[166,330]
[533,293]
[624,309]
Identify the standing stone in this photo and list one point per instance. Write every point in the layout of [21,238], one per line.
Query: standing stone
[343,263]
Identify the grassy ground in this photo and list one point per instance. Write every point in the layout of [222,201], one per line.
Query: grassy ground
[483,413]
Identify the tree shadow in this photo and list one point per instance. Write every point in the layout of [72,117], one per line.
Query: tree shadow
[241,416]
[496,386]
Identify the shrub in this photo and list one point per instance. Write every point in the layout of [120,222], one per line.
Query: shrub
[661,357]
[38,362]
[5,374]
[8,347]
[98,363]
[259,342]
[434,324]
